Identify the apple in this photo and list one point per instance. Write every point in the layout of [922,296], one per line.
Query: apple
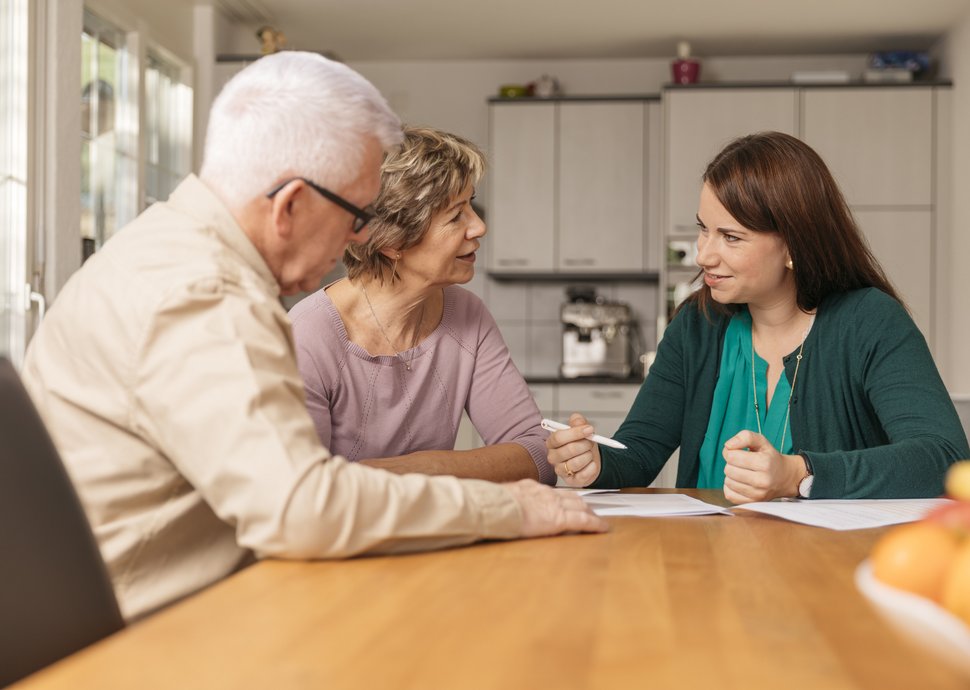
[954,516]
[958,481]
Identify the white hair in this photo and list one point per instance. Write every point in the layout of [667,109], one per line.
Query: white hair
[292,114]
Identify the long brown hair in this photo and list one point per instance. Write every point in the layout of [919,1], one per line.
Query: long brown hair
[773,182]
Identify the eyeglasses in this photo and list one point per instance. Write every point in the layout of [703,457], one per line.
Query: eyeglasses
[362,216]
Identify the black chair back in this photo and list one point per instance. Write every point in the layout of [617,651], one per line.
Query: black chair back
[55,593]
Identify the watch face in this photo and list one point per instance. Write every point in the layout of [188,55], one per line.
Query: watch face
[805,486]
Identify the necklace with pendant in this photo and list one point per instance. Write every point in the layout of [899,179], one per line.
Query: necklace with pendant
[414,341]
[794,378]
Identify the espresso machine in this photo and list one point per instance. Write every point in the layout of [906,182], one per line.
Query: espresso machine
[597,336]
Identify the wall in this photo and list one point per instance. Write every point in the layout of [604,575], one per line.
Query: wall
[167,25]
[956,66]
[452,95]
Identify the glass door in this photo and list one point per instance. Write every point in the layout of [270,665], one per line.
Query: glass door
[168,127]
[14,98]
[109,156]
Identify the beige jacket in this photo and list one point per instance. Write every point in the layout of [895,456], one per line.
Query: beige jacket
[165,371]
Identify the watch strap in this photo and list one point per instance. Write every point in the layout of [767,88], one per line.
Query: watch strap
[805,485]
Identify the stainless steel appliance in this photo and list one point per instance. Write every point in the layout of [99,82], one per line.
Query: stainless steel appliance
[598,336]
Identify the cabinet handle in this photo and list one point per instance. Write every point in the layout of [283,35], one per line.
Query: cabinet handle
[512,262]
[580,262]
[606,394]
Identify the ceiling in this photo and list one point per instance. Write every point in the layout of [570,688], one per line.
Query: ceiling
[556,29]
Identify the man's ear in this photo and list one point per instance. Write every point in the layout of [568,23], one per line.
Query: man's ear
[284,203]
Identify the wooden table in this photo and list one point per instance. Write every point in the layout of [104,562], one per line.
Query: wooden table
[693,602]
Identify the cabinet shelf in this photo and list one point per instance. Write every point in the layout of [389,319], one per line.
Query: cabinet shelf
[525,100]
[733,85]
[549,277]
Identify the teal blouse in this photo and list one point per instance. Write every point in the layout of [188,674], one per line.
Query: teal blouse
[733,408]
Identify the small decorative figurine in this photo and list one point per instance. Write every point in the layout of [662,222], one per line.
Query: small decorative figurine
[271,39]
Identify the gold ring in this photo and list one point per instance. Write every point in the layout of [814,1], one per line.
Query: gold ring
[569,472]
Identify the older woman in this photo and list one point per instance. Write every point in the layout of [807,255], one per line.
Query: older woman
[392,354]
[795,370]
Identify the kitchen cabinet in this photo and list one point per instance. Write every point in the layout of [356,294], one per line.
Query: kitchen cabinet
[545,397]
[878,142]
[574,186]
[699,122]
[467,437]
[601,185]
[902,241]
[605,405]
[523,186]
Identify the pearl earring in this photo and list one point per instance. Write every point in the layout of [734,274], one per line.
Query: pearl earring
[789,265]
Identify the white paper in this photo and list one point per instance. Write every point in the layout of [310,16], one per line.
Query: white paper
[850,513]
[649,505]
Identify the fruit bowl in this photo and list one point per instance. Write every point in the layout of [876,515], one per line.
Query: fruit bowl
[921,620]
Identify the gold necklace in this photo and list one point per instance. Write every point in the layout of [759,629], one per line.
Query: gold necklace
[414,340]
[794,378]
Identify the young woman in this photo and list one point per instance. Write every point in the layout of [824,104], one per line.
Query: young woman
[795,369]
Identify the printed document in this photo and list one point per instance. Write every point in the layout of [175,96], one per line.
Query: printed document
[649,505]
[850,513]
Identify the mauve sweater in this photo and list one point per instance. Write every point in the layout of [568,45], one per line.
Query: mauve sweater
[366,406]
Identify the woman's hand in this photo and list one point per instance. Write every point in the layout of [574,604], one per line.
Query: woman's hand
[755,471]
[574,457]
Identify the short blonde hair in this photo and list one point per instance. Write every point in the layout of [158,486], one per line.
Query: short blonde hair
[418,181]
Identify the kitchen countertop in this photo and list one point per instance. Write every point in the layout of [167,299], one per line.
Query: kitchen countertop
[584,379]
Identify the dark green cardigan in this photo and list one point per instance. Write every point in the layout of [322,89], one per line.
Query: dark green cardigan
[869,410]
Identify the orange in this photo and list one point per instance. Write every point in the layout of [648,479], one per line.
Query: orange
[915,557]
[958,480]
[956,588]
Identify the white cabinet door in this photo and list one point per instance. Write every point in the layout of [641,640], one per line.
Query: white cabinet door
[545,397]
[902,241]
[586,398]
[601,186]
[698,125]
[878,142]
[467,437]
[522,179]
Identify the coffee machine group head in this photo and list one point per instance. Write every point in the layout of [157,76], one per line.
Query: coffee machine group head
[597,338]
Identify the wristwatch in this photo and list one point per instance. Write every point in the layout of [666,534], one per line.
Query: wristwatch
[805,485]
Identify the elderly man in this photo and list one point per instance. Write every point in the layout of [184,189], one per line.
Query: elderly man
[166,371]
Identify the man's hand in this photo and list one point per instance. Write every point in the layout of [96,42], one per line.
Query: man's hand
[546,511]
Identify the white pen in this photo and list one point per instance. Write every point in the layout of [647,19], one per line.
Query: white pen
[550,425]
